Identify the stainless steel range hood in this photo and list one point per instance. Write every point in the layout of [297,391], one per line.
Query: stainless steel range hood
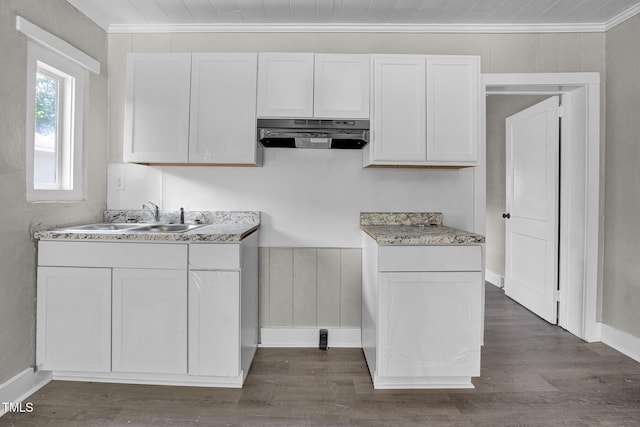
[313,133]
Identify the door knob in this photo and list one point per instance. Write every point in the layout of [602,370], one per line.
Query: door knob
[506,215]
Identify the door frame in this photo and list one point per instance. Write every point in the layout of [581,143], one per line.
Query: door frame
[580,219]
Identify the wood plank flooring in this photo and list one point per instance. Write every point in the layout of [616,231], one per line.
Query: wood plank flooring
[533,374]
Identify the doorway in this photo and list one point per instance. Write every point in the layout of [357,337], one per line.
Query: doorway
[579,188]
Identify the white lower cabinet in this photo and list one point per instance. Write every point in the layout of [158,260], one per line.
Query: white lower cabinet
[223,308]
[149,321]
[428,324]
[74,319]
[422,318]
[135,312]
[214,342]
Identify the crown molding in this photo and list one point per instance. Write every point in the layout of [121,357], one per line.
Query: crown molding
[98,15]
[627,14]
[357,28]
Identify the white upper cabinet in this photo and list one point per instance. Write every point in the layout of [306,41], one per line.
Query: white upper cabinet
[426,111]
[285,85]
[341,86]
[223,108]
[184,108]
[399,108]
[313,85]
[453,96]
[156,125]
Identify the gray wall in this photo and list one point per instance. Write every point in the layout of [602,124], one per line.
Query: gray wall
[19,218]
[621,283]
[308,287]
[499,107]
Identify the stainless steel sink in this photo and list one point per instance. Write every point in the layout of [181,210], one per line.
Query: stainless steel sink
[101,227]
[166,228]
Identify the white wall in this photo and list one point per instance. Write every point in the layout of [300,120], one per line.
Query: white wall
[308,198]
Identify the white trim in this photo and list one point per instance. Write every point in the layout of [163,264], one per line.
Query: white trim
[98,15]
[588,252]
[309,337]
[22,386]
[151,379]
[382,383]
[356,28]
[494,278]
[623,342]
[38,53]
[56,44]
[627,14]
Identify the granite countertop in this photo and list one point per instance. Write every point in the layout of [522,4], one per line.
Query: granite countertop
[219,226]
[413,228]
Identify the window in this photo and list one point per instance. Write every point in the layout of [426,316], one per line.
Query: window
[54,126]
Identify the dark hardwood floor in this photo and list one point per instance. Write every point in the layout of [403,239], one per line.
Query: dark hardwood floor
[533,374]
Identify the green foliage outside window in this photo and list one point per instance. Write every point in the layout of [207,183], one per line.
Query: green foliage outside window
[46,104]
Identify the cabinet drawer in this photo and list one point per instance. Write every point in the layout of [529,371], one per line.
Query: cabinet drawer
[430,258]
[110,254]
[214,256]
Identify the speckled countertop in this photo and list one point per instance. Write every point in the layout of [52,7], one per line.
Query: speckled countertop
[413,228]
[219,226]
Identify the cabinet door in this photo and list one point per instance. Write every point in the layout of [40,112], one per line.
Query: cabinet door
[74,319]
[150,321]
[429,324]
[214,323]
[341,86]
[223,108]
[453,111]
[399,103]
[285,85]
[156,124]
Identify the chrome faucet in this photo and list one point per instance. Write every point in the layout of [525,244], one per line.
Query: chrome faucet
[153,208]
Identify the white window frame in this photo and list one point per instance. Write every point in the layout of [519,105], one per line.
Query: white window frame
[70,141]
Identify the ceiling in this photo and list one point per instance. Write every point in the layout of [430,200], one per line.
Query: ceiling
[118,16]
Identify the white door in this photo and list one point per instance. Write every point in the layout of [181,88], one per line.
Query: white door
[453,112]
[149,321]
[223,108]
[399,108]
[341,86]
[532,173]
[214,323]
[156,122]
[74,319]
[285,85]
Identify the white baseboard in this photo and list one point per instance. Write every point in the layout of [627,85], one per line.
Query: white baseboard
[623,342]
[494,278]
[309,337]
[22,386]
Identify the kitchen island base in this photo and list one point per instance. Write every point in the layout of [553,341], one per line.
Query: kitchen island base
[422,306]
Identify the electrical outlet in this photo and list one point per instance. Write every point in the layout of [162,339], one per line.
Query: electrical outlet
[324,339]
[119,181]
